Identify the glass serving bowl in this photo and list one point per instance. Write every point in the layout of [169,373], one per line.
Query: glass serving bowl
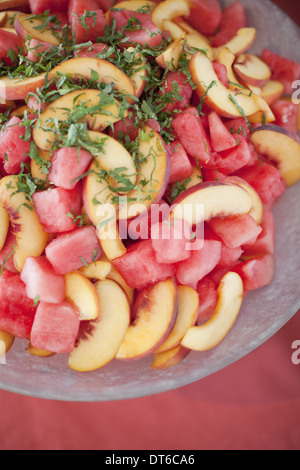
[263,313]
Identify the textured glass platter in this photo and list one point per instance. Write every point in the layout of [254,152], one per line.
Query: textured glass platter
[263,313]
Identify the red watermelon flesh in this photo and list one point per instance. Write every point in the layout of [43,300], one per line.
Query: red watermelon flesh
[17,310]
[13,148]
[57,208]
[42,281]
[205,16]
[71,251]
[55,327]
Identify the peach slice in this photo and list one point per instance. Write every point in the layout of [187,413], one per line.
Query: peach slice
[281,147]
[12,4]
[38,352]
[154,319]
[114,275]
[19,88]
[37,170]
[227,103]
[210,334]
[257,208]
[213,199]
[99,344]
[81,293]
[45,131]
[84,67]
[31,239]
[170,57]
[168,10]
[244,38]
[6,342]
[194,40]
[169,358]
[152,176]
[272,91]
[3,16]
[265,114]
[188,303]
[27,26]
[173,29]
[252,69]
[139,77]
[227,58]
[98,190]
[4,225]
[97,270]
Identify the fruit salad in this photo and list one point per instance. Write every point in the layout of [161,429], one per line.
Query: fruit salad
[142,150]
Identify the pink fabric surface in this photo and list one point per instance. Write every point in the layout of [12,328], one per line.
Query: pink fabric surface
[252,404]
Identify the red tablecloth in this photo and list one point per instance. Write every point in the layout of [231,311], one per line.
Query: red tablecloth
[252,404]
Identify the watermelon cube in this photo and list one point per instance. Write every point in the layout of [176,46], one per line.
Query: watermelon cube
[13,148]
[180,165]
[220,137]
[233,18]
[171,241]
[265,243]
[140,268]
[9,42]
[205,16]
[71,251]
[208,298]
[286,114]
[266,179]
[140,30]
[41,281]
[237,231]
[17,310]
[55,327]
[36,48]
[67,165]
[199,264]
[58,208]
[283,69]
[6,254]
[256,273]
[192,135]
[39,6]
[178,89]
[89,27]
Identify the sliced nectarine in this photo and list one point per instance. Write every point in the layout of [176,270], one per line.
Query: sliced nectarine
[212,199]
[31,239]
[281,147]
[243,39]
[226,102]
[29,26]
[154,319]
[4,225]
[106,72]
[168,10]
[252,69]
[81,293]
[99,344]
[210,334]
[6,342]
[188,303]
[46,129]
[152,175]
[169,358]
